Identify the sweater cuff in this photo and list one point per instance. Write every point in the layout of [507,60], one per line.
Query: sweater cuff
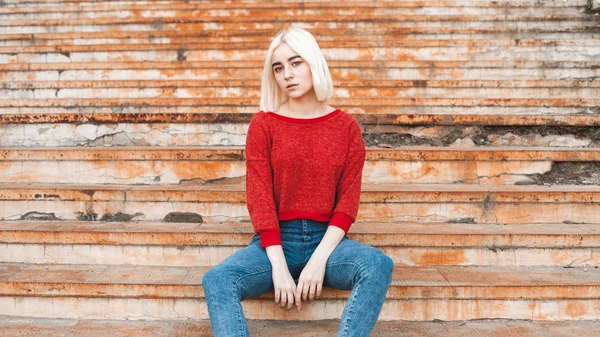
[270,237]
[341,220]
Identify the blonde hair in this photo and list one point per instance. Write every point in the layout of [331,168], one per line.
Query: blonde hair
[303,43]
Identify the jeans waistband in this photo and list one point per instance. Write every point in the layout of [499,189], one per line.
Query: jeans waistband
[300,222]
[302,227]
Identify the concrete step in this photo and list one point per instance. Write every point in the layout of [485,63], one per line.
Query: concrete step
[581,23]
[388,13]
[510,43]
[343,71]
[220,89]
[120,231]
[347,104]
[252,42]
[340,12]
[19,326]
[575,50]
[92,117]
[96,38]
[253,64]
[193,244]
[220,132]
[413,3]
[149,292]
[214,165]
[335,10]
[408,283]
[395,111]
[516,86]
[112,7]
[382,202]
[324,34]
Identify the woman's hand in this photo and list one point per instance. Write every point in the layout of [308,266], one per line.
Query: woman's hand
[284,285]
[310,282]
[282,279]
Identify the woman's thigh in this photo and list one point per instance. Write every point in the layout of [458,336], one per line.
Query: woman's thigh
[351,258]
[248,271]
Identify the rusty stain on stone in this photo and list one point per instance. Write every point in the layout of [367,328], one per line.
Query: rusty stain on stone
[181,53]
[575,309]
[88,192]
[441,258]
[420,83]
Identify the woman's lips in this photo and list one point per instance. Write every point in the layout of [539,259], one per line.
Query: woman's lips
[291,86]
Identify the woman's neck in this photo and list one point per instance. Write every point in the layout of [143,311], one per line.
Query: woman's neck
[304,107]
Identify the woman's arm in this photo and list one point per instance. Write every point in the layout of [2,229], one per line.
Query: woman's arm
[283,282]
[261,206]
[332,238]
[259,183]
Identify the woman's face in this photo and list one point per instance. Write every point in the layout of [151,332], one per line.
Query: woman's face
[291,72]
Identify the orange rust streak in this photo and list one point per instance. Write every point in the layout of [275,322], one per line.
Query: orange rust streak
[440,258]
[576,309]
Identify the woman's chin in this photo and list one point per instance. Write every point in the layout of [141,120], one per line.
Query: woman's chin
[296,95]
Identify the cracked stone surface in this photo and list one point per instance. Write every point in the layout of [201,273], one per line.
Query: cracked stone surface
[567,173]
[386,136]
[190,172]
[55,135]
[430,172]
[493,213]
[593,7]
[495,136]
[147,172]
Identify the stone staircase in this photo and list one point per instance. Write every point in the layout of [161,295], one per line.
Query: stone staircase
[122,131]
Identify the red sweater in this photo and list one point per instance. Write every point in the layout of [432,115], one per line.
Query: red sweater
[302,169]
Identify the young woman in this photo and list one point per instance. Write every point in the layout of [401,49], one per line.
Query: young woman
[303,179]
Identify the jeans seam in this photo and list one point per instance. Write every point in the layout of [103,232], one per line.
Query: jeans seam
[239,315]
[355,290]
[235,284]
[350,312]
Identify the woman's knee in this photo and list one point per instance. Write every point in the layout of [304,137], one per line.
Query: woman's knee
[382,265]
[215,278]
[388,264]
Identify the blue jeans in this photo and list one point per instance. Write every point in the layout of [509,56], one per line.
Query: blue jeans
[365,270]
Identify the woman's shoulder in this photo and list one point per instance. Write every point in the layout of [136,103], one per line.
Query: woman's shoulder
[259,117]
[348,118]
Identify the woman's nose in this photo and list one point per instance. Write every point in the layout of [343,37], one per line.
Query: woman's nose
[287,73]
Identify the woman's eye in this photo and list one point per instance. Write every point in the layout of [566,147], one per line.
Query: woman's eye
[277,69]
[296,63]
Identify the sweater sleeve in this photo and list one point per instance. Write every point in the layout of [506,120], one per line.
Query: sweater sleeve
[259,184]
[348,189]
